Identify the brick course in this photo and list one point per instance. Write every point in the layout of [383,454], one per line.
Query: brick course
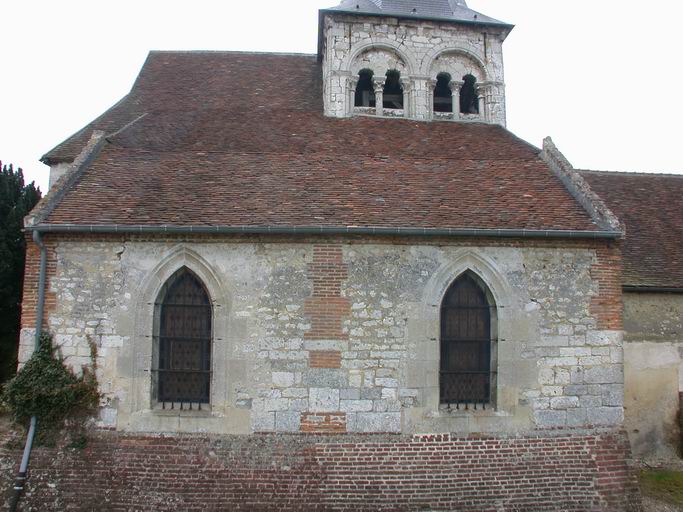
[31,276]
[327,308]
[607,306]
[325,359]
[549,472]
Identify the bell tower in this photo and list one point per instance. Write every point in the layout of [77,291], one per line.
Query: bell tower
[427,61]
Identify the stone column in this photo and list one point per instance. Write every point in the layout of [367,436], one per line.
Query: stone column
[378,85]
[351,94]
[482,92]
[455,86]
[407,96]
[431,85]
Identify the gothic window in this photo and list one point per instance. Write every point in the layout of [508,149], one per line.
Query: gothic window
[182,354]
[469,102]
[443,96]
[392,96]
[365,93]
[467,340]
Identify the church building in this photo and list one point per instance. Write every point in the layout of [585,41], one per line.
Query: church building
[350,288]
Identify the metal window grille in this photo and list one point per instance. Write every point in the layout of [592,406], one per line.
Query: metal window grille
[466,375]
[183,372]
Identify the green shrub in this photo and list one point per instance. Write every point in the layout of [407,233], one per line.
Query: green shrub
[48,389]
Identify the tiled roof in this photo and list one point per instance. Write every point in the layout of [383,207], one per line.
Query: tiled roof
[447,10]
[233,139]
[651,207]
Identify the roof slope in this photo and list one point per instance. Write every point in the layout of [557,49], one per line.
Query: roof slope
[651,207]
[447,10]
[233,139]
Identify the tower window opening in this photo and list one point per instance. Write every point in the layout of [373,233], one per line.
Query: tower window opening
[469,102]
[443,96]
[393,92]
[365,93]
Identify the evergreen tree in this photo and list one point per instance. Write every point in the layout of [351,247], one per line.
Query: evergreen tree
[16,201]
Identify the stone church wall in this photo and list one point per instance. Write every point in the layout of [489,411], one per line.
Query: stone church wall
[342,335]
[653,372]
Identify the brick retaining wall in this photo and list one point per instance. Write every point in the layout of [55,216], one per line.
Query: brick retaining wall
[555,471]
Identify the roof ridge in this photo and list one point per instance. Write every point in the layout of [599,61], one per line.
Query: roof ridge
[232,52]
[289,152]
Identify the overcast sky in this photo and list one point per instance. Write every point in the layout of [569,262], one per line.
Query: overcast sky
[603,77]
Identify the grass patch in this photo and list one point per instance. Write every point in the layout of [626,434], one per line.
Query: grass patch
[663,484]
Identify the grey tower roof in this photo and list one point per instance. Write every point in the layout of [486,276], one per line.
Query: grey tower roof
[444,10]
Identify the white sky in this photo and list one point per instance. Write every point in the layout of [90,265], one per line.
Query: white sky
[602,77]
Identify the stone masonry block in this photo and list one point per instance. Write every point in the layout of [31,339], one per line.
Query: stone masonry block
[374,422]
[613,374]
[550,418]
[605,416]
[355,405]
[323,400]
[262,421]
[287,421]
[325,378]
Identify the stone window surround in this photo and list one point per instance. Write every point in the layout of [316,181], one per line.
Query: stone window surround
[507,307]
[150,288]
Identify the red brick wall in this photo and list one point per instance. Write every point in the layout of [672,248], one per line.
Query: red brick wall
[327,308]
[608,305]
[355,473]
[31,276]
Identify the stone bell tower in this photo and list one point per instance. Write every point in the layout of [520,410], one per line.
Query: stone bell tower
[422,60]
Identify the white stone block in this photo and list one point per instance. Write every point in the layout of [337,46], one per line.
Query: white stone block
[323,400]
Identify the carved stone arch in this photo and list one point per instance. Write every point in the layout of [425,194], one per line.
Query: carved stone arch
[493,282]
[478,264]
[429,65]
[178,257]
[409,62]
[147,294]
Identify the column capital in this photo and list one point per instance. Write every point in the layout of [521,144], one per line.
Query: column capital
[378,84]
[456,85]
[406,83]
[431,85]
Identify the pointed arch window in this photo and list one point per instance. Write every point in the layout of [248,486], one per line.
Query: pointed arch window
[468,334]
[182,348]
[469,100]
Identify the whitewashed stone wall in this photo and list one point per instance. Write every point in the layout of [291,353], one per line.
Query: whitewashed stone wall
[555,369]
[653,351]
[420,50]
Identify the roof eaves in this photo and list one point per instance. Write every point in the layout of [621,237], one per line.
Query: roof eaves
[324,230]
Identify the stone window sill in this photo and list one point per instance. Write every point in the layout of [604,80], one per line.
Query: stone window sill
[489,412]
[462,118]
[204,412]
